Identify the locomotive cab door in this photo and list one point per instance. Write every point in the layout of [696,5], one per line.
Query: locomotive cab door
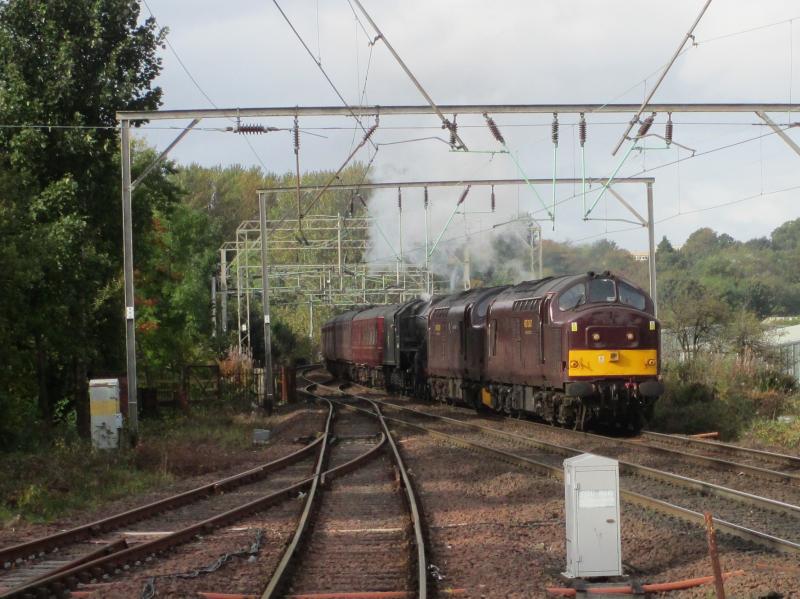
[551,343]
[544,310]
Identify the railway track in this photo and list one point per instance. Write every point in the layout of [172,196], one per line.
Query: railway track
[783,487]
[759,473]
[57,564]
[760,520]
[744,455]
[351,543]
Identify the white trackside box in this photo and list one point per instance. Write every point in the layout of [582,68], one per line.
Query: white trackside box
[591,500]
[106,418]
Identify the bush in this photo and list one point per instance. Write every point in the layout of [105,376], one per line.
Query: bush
[695,407]
[716,393]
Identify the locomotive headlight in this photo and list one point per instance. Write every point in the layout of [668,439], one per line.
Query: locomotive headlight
[573,364]
[596,336]
[629,336]
[651,362]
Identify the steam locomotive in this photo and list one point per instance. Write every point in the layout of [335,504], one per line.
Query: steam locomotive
[580,351]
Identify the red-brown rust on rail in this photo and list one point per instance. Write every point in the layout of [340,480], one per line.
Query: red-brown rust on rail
[659,587]
[403,484]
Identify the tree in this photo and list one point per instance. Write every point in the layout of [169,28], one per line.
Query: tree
[70,64]
[787,236]
[693,315]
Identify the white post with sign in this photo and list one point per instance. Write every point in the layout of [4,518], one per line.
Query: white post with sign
[591,500]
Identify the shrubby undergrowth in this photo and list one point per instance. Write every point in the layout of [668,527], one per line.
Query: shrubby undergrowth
[719,393]
[66,474]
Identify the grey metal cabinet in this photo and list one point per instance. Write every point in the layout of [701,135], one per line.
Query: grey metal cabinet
[591,500]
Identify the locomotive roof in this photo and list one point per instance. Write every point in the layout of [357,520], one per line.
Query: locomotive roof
[465,298]
[537,288]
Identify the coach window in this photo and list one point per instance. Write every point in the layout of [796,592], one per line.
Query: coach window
[630,296]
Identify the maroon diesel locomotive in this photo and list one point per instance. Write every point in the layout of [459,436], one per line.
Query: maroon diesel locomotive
[580,351]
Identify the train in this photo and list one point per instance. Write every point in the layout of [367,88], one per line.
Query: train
[580,351]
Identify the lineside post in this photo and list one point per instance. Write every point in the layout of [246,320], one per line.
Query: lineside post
[651,237]
[127,250]
[267,402]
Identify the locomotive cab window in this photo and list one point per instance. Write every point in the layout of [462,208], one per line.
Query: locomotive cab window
[630,296]
[572,297]
[602,290]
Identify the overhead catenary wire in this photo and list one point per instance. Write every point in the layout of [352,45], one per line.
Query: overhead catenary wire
[689,35]
[643,171]
[320,67]
[445,122]
[200,88]
[638,227]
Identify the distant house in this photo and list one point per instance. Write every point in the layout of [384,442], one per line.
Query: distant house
[641,256]
[787,340]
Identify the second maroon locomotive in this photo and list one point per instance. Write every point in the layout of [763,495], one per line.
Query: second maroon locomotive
[580,350]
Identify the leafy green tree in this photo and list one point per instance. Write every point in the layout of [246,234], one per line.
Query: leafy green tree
[175,265]
[693,315]
[66,67]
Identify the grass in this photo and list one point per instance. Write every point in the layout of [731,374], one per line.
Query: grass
[781,434]
[772,433]
[67,474]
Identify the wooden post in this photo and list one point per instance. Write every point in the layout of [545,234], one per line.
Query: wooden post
[287,384]
[711,535]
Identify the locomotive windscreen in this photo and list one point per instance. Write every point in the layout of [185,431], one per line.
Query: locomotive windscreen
[602,290]
[630,296]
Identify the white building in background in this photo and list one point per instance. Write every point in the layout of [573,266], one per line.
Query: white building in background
[641,256]
[787,340]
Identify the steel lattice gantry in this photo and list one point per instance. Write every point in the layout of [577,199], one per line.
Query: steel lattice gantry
[319,261]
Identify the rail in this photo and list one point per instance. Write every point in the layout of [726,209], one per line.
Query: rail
[765,540]
[57,583]
[411,500]
[787,461]
[35,547]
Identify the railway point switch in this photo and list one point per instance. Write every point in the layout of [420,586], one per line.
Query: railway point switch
[106,418]
[591,501]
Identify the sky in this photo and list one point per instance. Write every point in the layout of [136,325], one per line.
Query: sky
[243,54]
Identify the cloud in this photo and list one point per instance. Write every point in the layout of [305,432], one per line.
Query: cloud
[471,51]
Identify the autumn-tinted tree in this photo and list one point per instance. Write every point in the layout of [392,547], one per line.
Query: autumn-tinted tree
[66,67]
